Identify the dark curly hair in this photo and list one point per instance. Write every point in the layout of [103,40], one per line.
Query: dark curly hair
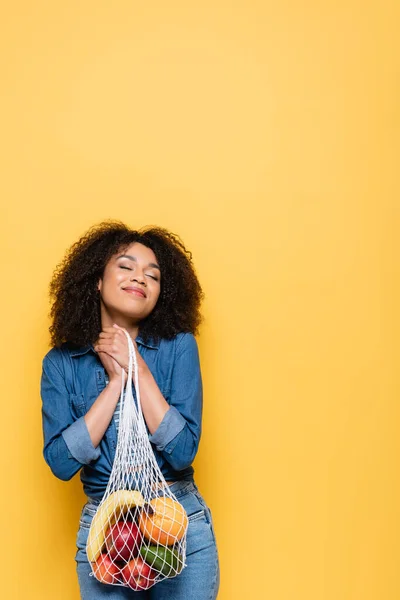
[75,310]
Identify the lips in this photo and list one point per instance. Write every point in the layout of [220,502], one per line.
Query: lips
[135,291]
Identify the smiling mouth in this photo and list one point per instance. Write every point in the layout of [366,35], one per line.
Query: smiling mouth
[135,293]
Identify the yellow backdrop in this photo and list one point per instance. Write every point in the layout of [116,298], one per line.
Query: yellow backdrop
[262,133]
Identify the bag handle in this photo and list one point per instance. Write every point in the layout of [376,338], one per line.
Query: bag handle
[129,410]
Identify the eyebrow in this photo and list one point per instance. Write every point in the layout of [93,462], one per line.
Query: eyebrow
[135,259]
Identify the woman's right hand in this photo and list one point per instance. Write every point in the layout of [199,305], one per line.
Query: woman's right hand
[113,368]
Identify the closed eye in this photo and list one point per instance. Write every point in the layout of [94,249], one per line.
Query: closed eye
[152,276]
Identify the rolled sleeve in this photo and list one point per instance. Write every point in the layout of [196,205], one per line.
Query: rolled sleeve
[67,445]
[79,444]
[171,425]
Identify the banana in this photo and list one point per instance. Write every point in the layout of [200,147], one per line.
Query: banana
[118,502]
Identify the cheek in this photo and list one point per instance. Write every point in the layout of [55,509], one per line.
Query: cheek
[110,287]
[113,280]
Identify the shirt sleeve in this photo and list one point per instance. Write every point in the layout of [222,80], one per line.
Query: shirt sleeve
[67,443]
[178,435]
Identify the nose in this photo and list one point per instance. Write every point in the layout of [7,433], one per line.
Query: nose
[138,276]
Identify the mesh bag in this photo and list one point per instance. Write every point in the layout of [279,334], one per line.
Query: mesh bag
[138,534]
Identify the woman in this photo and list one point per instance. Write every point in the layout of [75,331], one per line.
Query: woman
[112,280]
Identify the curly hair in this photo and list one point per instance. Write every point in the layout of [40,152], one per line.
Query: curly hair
[75,310]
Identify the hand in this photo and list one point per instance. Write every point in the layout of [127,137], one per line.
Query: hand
[113,341]
[114,370]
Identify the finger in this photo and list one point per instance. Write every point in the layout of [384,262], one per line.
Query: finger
[105,341]
[105,335]
[108,348]
[104,356]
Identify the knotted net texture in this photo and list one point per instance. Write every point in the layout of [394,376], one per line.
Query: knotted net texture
[138,534]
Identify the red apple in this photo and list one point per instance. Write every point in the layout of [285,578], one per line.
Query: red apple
[138,575]
[106,570]
[123,540]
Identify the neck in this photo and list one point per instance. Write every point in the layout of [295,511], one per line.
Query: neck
[108,319]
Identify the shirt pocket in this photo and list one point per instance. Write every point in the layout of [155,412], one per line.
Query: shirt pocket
[78,405]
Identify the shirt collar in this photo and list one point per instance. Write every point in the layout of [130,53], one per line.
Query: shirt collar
[152,343]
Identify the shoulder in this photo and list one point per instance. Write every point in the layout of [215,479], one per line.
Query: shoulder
[56,356]
[182,343]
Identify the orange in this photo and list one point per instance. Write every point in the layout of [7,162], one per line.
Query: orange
[168,523]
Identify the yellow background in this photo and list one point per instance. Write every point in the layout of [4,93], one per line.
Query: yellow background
[264,134]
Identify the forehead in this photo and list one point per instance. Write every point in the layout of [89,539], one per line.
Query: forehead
[139,252]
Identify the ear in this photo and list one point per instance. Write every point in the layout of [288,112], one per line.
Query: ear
[99,285]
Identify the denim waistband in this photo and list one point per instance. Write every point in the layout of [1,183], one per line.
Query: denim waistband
[178,489]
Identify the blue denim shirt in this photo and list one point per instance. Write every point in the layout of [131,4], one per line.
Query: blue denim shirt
[72,379]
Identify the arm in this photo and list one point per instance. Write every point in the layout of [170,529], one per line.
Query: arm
[178,434]
[113,350]
[67,442]
[154,405]
[101,412]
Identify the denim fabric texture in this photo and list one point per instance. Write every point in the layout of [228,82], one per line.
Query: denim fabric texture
[72,379]
[200,578]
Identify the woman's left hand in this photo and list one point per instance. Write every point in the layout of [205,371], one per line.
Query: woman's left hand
[112,340]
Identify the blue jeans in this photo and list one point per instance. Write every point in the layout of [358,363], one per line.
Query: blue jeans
[199,580]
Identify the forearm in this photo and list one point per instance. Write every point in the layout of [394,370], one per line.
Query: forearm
[98,417]
[154,405]
[170,432]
